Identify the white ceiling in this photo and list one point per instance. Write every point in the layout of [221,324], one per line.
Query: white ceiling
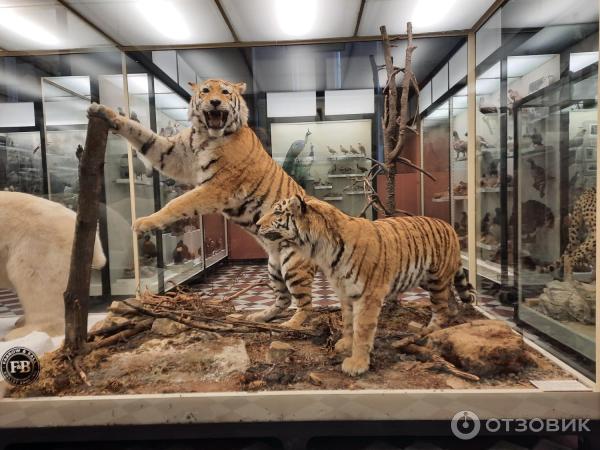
[279,20]
[43,25]
[426,15]
[156,22]
[543,13]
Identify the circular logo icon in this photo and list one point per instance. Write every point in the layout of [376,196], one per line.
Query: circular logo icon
[19,366]
[465,425]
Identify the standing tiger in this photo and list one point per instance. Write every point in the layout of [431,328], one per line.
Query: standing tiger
[368,262]
[233,175]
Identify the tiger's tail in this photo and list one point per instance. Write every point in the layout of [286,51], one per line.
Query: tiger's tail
[466,291]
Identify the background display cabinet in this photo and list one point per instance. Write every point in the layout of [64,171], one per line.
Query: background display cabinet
[556,147]
[493,147]
[328,159]
[458,168]
[436,156]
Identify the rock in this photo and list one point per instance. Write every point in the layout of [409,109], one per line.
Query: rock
[279,351]
[414,327]
[167,327]
[569,301]
[109,321]
[315,379]
[120,308]
[482,347]
[160,359]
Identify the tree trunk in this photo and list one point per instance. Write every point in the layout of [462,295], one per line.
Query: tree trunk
[76,297]
[390,125]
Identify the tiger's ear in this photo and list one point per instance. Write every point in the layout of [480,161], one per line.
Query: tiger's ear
[298,205]
[193,85]
[241,87]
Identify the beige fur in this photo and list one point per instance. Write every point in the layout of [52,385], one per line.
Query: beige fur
[36,237]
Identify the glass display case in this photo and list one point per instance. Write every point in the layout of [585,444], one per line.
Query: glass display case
[436,160]
[494,190]
[458,168]
[21,162]
[328,159]
[556,147]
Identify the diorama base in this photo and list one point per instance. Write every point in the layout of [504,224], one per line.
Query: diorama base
[169,357]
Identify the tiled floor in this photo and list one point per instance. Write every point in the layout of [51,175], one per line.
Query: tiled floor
[9,303]
[231,278]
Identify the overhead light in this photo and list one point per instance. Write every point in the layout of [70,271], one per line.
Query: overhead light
[27,29]
[296,17]
[165,18]
[428,13]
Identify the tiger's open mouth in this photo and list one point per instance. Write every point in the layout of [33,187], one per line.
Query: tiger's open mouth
[216,119]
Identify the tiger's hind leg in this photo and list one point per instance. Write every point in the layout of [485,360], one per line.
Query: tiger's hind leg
[283,297]
[443,306]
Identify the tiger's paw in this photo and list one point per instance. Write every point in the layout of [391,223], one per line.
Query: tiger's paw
[297,319]
[355,365]
[104,113]
[265,315]
[344,345]
[144,224]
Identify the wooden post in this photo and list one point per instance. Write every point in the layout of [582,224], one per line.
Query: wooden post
[76,297]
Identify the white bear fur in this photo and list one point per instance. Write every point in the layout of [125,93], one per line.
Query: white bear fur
[36,238]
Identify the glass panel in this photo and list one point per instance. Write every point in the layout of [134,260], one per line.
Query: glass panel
[214,238]
[436,155]
[65,103]
[458,169]
[21,162]
[557,131]
[491,206]
[181,242]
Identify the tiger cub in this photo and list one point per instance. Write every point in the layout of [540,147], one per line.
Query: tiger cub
[368,262]
[232,173]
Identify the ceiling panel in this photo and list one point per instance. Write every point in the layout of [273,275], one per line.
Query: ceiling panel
[44,25]
[156,22]
[426,15]
[279,20]
[542,13]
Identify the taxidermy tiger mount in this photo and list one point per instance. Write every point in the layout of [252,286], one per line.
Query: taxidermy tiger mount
[368,262]
[232,174]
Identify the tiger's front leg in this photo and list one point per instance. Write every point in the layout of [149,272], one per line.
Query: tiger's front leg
[365,316]
[169,155]
[298,274]
[198,201]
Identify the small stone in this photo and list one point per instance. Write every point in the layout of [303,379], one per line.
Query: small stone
[256,385]
[315,379]
[236,316]
[167,327]
[458,383]
[279,351]
[414,327]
